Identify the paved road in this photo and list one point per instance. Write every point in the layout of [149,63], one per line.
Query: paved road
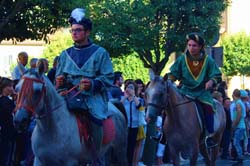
[219,162]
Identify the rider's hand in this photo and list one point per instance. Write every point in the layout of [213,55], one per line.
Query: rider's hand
[85,84]
[63,93]
[209,85]
[59,81]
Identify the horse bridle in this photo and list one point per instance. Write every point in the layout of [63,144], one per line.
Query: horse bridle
[31,109]
[165,105]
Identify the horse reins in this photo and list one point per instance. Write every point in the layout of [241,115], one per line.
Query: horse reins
[58,106]
[155,105]
[189,100]
[162,107]
[20,100]
[31,108]
[186,102]
[176,105]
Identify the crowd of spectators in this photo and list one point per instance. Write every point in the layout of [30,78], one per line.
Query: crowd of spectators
[16,147]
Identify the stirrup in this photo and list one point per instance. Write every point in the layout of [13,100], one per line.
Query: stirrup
[209,143]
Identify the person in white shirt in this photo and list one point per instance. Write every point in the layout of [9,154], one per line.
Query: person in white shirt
[20,69]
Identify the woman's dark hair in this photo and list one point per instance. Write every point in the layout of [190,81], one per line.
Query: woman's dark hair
[227,98]
[139,81]
[128,82]
[4,82]
[117,76]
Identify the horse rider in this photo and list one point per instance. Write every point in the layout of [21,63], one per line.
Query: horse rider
[198,73]
[89,66]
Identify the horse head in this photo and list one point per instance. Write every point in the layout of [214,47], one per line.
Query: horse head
[156,96]
[33,90]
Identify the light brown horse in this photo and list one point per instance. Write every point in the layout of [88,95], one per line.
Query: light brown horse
[182,126]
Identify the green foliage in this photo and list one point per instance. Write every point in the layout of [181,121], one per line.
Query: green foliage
[236,54]
[33,19]
[131,67]
[153,29]
[60,41]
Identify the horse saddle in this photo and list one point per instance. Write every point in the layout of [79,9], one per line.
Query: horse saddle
[83,122]
[201,117]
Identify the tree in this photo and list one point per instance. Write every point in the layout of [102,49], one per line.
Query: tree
[236,54]
[153,29]
[130,65]
[33,19]
[59,42]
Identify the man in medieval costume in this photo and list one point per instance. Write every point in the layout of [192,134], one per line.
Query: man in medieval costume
[198,73]
[89,66]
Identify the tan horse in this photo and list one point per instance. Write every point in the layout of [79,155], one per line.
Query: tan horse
[182,125]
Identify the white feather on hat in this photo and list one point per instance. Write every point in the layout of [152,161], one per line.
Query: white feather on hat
[78,14]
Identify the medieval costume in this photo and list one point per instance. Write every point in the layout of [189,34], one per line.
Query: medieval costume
[194,72]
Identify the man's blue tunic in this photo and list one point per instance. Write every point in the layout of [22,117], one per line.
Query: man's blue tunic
[92,62]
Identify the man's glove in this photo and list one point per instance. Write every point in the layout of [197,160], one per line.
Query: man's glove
[209,85]
[85,84]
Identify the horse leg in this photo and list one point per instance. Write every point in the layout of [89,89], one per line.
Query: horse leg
[194,157]
[116,157]
[176,159]
[205,154]
[215,151]
[37,162]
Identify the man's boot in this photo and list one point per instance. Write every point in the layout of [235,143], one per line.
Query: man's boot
[96,134]
[209,125]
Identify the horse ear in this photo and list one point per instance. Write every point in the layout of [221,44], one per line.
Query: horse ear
[151,74]
[40,66]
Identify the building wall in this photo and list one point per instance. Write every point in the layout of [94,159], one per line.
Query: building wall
[8,55]
[237,82]
[237,20]
[238,16]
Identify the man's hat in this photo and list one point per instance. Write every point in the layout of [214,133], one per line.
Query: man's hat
[196,37]
[78,17]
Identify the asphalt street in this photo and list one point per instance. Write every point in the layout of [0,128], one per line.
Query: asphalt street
[220,162]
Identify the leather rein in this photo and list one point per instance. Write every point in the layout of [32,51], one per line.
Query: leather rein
[31,108]
[163,106]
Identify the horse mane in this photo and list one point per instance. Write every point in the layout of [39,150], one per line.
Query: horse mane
[25,92]
[175,99]
[52,95]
